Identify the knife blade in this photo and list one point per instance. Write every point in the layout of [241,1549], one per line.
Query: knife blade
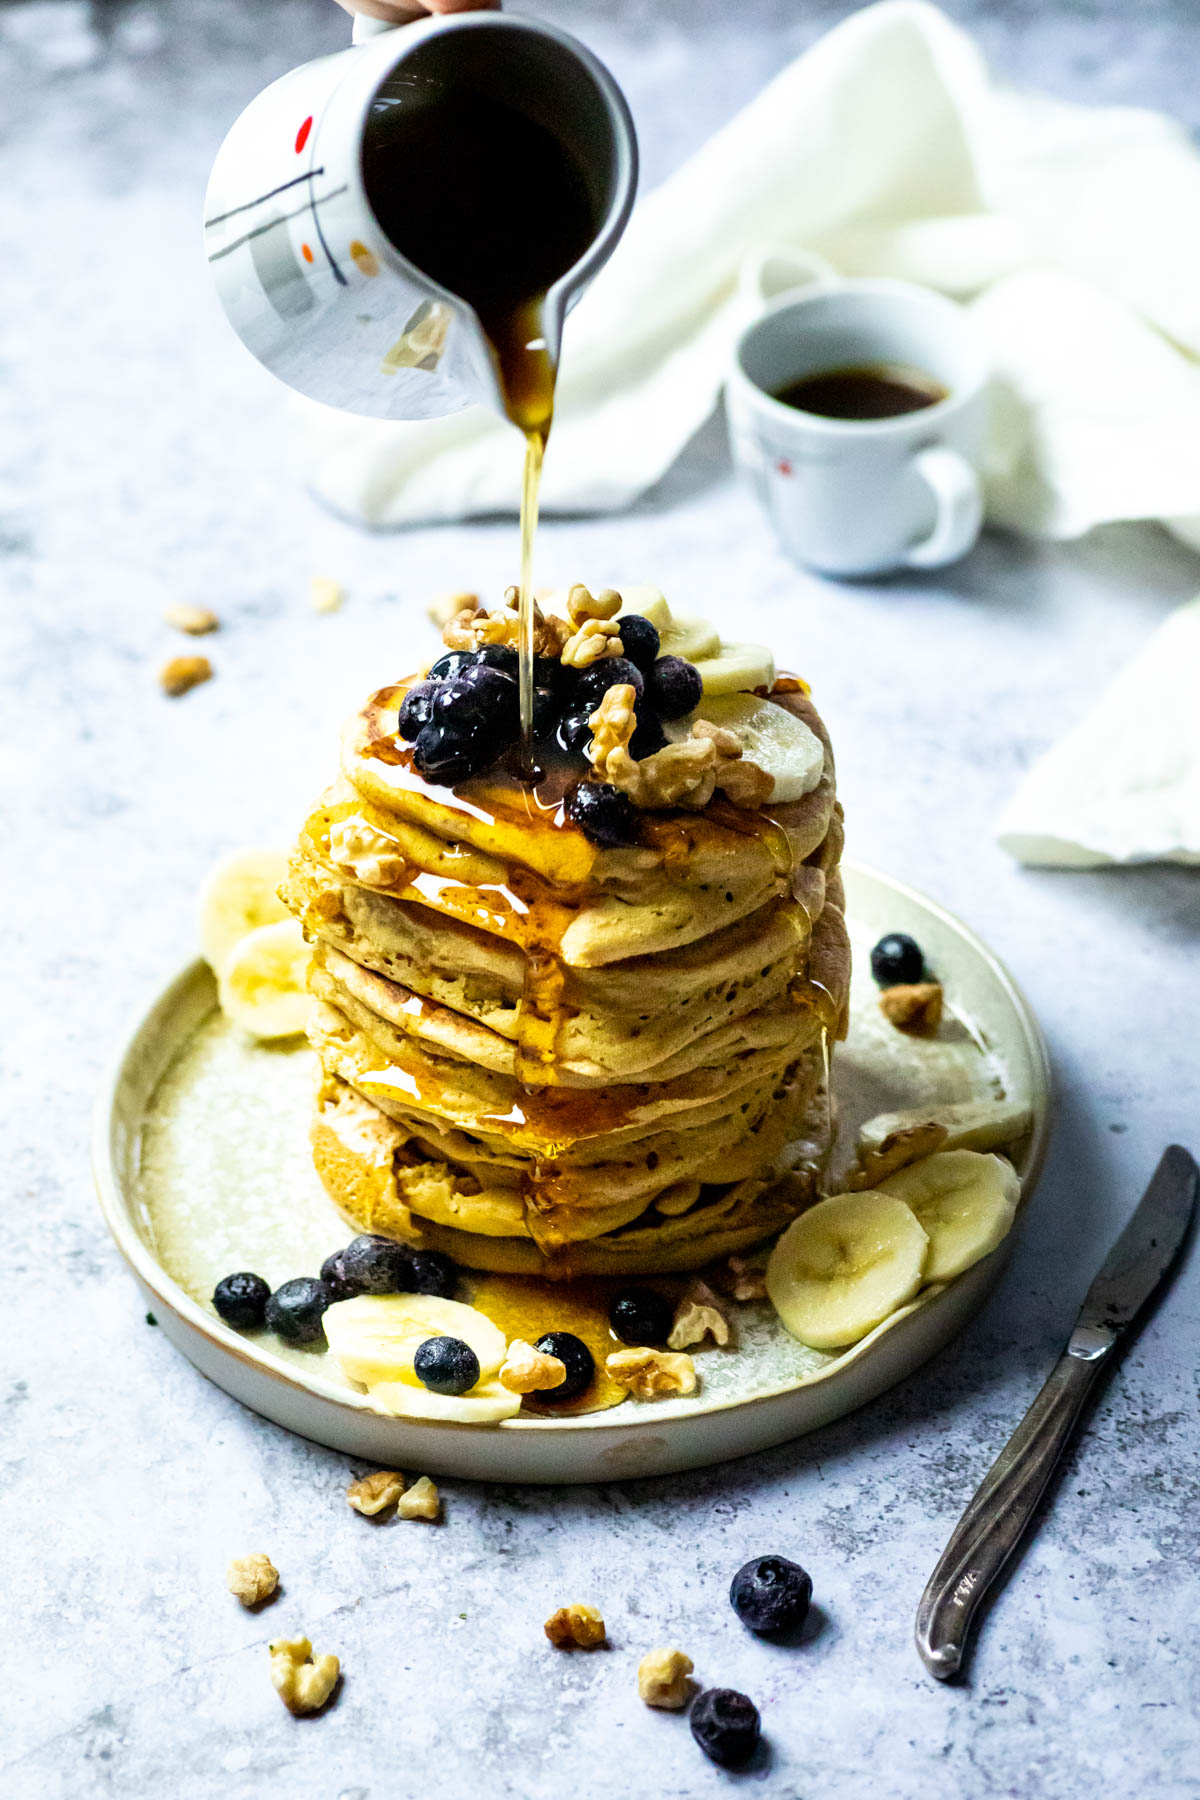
[998,1516]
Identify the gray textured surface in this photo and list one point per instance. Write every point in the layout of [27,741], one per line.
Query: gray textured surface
[145,458]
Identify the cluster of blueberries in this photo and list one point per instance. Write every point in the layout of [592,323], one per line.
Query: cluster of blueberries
[465,716]
[367,1265]
[771,1595]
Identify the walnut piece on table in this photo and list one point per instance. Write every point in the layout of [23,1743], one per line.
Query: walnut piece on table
[662,1679]
[303,1682]
[182,673]
[252,1579]
[374,1493]
[420,1501]
[195,620]
[577,1627]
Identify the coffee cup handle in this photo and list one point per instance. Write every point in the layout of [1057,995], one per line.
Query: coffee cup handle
[958,497]
[778,269]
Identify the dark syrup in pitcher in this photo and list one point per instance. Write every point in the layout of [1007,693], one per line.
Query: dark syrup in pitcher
[491,204]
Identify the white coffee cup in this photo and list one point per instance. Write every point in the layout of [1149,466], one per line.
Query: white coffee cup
[863,496]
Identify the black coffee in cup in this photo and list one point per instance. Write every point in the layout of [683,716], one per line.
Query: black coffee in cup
[870,391]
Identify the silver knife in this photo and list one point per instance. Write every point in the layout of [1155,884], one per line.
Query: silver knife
[990,1529]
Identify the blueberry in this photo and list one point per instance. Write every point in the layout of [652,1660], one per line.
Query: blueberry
[771,1594]
[603,813]
[374,1265]
[416,709]
[241,1300]
[432,1273]
[446,756]
[640,639]
[593,683]
[295,1310]
[481,702]
[333,1274]
[452,663]
[574,734]
[580,1365]
[446,1365]
[640,1316]
[674,687]
[545,711]
[725,1725]
[648,736]
[897,959]
[549,672]
[499,656]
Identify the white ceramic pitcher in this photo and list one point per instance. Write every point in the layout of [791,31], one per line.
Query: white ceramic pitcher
[307,278]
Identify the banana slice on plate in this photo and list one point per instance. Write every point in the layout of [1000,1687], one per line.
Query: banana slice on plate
[969,1124]
[770,736]
[966,1202]
[844,1266]
[263,983]
[374,1337]
[240,894]
[735,668]
[486,1404]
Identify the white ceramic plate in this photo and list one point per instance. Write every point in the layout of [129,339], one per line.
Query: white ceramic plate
[202,1166]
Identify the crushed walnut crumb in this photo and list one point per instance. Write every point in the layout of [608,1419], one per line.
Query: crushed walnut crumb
[182,673]
[698,1316]
[662,1679]
[195,620]
[897,1151]
[252,1579]
[527,1370]
[914,1007]
[652,1374]
[372,1494]
[575,1628]
[302,1681]
[420,1501]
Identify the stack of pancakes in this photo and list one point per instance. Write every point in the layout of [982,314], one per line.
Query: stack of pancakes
[544,1057]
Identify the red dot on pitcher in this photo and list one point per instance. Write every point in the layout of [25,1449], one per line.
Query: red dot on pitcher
[302,134]
[784,466]
[306,252]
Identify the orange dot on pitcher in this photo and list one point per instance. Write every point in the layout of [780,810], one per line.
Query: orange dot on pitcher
[365,259]
[306,252]
[302,134]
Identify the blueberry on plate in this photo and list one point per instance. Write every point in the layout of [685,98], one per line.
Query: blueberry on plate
[446,1365]
[445,756]
[574,733]
[549,672]
[499,656]
[416,709]
[771,1594]
[295,1311]
[897,960]
[674,687]
[429,1272]
[371,1264]
[725,1724]
[577,1359]
[481,702]
[333,1274]
[640,1316]
[241,1300]
[648,736]
[640,640]
[545,711]
[451,664]
[593,683]
[603,813]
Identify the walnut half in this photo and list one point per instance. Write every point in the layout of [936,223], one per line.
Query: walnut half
[372,1494]
[652,1374]
[252,1579]
[302,1681]
[575,1627]
[662,1679]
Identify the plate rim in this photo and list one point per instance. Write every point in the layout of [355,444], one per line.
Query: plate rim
[118,1212]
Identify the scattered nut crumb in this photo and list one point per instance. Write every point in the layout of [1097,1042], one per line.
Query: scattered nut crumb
[252,1578]
[652,1374]
[420,1501]
[448,606]
[896,1151]
[302,1681]
[575,1628]
[696,1317]
[371,1494]
[915,1007]
[326,595]
[747,1279]
[663,1679]
[195,620]
[184,672]
[529,1371]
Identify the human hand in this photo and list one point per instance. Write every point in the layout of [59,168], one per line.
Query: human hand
[403,12]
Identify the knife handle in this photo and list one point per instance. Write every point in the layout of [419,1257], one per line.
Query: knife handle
[991,1527]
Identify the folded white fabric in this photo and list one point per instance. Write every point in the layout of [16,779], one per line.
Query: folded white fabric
[1124,785]
[886,149]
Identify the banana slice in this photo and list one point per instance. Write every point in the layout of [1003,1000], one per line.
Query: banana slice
[375,1336]
[969,1124]
[770,736]
[965,1201]
[734,668]
[692,639]
[486,1404]
[263,983]
[843,1266]
[239,896]
[649,601]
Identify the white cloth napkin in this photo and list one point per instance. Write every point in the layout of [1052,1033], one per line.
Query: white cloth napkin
[1124,785]
[886,149]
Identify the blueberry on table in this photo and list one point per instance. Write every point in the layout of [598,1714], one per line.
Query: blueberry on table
[897,960]
[446,1365]
[452,663]
[446,756]
[371,1264]
[241,1300]
[575,1357]
[295,1310]
[416,709]
[771,1594]
[674,687]
[640,640]
[432,1273]
[640,1316]
[603,813]
[593,683]
[574,733]
[725,1724]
